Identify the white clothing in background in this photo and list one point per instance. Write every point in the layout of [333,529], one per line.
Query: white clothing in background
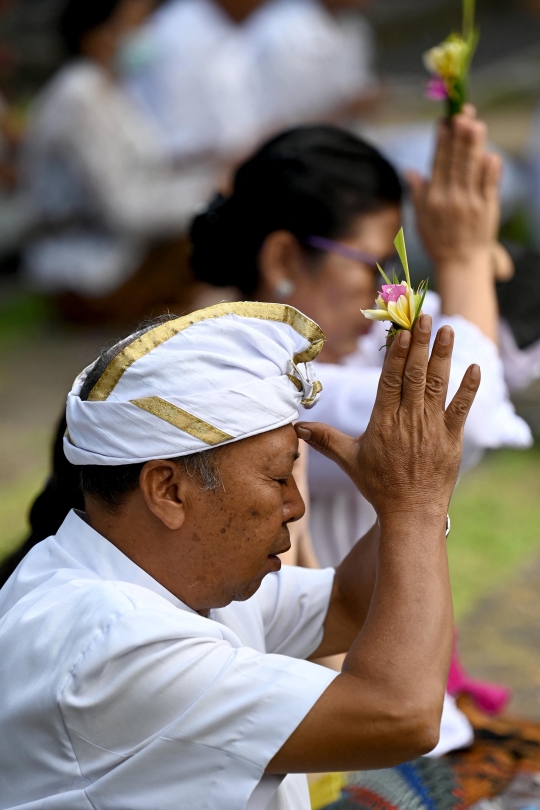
[339,514]
[97,175]
[521,366]
[118,695]
[216,86]
[201,88]
[311,62]
[456,731]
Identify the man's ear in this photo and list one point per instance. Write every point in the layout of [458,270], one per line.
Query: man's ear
[164,490]
[280,260]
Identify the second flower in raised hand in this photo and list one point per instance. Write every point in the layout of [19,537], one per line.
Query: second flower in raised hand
[449,63]
[397,301]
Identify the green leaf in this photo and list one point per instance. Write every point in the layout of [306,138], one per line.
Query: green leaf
[468,18]
[383,274]
[399,243]
[423,291]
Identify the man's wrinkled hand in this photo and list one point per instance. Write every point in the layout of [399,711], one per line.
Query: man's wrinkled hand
[408,459]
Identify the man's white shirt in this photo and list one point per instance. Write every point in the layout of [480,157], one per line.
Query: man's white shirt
[115,694]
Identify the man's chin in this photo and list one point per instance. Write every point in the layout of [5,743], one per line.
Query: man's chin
[248,591]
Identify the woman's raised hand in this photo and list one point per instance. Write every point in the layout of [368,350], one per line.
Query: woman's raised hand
[457,208]
[458,213]
[408,459]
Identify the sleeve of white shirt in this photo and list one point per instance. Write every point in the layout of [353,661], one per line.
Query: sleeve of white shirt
[294,605]
[165,705]
[492,421]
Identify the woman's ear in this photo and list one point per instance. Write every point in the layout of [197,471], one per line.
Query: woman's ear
[281,263]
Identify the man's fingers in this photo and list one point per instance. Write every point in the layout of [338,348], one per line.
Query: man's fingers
[459,408]
[388,397]
[329,441]
[414,375]
[438,373]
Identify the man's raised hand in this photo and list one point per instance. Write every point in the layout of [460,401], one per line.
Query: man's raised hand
[408,458]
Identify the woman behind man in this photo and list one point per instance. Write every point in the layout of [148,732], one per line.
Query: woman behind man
[112,207]
[310,215]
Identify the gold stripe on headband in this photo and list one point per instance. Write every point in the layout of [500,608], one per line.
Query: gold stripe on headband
[245,309]
[296,382]
[182,420]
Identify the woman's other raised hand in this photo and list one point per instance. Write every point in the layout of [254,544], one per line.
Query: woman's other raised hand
[458,215]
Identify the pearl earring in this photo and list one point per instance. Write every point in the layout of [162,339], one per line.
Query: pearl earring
[284,288]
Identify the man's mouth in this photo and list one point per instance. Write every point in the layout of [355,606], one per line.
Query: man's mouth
[281,551]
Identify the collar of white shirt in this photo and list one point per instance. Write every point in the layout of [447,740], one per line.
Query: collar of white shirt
[93,552]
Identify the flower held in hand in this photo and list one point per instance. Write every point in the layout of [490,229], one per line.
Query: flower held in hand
[398,302]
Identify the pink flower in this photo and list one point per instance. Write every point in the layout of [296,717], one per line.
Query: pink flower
[392,292]
[436,89]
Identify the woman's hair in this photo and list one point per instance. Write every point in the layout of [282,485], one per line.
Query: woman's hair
[78,17]
[311,181]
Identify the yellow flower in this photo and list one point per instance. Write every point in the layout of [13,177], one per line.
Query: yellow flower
[398,302]
[402,312]
[448,60]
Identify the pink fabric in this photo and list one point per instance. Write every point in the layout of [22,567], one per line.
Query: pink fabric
[489,697]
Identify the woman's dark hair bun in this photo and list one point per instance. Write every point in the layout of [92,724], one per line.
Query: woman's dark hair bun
[310,181]
[219,249]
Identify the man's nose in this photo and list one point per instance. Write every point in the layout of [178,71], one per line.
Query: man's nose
[294,507]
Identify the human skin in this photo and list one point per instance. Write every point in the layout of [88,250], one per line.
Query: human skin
[101,43]
[209,548]
[457,213]
[239,10]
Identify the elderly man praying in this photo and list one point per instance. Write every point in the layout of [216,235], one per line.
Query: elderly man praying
[153,653]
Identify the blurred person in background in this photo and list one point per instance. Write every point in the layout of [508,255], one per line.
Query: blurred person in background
[200,82]
[112,208]
[223,74]
[316,60]
[219,76]
[16,214]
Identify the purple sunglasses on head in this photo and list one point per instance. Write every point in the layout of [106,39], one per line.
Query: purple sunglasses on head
[328,245]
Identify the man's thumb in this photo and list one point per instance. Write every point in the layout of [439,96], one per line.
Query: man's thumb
[330,442]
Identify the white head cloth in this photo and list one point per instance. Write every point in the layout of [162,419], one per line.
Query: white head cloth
[209,378]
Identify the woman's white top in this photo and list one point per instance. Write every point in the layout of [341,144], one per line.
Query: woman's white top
[339,514]
[97,174]
[117,695]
